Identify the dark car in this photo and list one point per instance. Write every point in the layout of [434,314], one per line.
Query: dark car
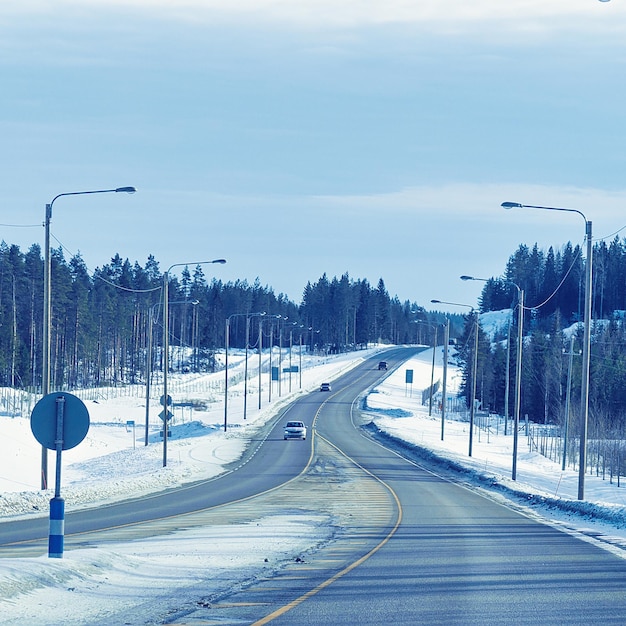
[382,365]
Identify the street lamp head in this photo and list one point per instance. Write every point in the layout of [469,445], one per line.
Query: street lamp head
[482,280]
[125,190]
[511,205]
[171,267]
[469,306]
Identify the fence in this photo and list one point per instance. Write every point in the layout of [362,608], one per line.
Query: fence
[606,458]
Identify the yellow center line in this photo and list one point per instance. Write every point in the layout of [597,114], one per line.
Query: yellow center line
[309,594]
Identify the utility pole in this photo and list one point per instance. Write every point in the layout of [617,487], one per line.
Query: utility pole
[568,392]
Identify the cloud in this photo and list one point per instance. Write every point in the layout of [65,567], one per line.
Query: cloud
[448,14]
[480,199]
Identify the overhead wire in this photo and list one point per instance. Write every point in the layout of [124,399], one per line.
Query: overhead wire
[20,225]
[571,267]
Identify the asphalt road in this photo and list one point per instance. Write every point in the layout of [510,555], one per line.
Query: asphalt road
[453,557]
[267,464]
[423,551]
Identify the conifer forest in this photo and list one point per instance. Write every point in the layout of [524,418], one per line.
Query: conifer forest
[103,322]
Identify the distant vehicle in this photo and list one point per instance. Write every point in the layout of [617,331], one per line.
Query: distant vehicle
[325,387]
[382,365]
[295,430]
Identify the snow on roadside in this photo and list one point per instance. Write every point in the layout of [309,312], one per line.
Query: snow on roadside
[138,582]
[98,584]
[541,487]
[113,463]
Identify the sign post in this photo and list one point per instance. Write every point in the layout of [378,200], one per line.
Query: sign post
[130,426]
[166,415]
[408,379]
[59,421]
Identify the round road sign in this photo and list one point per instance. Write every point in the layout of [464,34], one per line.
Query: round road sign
[43,420]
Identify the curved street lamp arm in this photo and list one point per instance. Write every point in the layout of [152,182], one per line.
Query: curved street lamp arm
[517,205]
[83,193]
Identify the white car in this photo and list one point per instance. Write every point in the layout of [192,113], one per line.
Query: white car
[295,430]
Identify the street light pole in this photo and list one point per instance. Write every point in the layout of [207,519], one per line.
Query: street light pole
[518,367]
[149,369]
[507,376]
[300,358]
[245,369]
[165,402]
[269,393]
[568,391]
[432,369]
[245,383]
[166,346]
[290,346]
[47,307]
[291,324]
[260,357]
[280,356]
[474,372]
[518,379]
[584,393]
[446,341]
[281,325]
[475,376]
[227,345]
[226,341]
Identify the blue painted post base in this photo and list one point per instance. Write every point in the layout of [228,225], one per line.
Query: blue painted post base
[57,528]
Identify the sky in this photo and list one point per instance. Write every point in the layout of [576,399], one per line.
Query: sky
[310,137]
[108,575]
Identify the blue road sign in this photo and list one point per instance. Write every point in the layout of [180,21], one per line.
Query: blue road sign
[166,413]
[59,421]
[43,420]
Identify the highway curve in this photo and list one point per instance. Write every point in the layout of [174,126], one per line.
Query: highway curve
[267,464]
[410,547]
[452,556]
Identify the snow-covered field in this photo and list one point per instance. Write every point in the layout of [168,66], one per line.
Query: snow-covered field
[88,585]
[113,459]
[541,485]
